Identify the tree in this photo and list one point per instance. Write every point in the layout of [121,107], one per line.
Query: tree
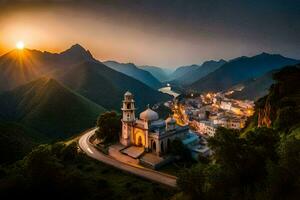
[178,149]
[109,126]
[284,176]
[192,181]
[204,181]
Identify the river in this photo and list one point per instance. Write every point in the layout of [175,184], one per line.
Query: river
[168,90]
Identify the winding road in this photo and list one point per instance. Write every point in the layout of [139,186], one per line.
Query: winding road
[91,151]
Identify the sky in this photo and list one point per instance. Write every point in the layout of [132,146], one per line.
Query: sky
[167,33]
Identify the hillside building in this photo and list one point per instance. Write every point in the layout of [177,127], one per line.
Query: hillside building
[148,131]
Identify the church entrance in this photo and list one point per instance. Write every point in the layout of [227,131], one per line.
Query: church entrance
[139,138]
[153,146]
[139,142]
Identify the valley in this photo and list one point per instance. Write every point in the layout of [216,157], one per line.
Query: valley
[149,100]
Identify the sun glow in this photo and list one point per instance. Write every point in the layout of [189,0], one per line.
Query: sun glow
[20,45]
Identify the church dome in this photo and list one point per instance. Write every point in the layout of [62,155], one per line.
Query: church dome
[127,93]
[149,115]
[170,120]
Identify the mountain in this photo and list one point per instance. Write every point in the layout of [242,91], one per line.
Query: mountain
[239,70]
[157,72]
[106,87]
[49,107]
[180,71]
[132,70]
[196,73]
[255,88]
[93,79]
[75,54]
[18,67]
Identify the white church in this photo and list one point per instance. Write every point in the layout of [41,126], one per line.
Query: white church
[150,132]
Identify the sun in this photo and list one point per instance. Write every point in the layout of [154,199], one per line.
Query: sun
[20,45]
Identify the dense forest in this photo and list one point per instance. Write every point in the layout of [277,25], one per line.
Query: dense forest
[58,171]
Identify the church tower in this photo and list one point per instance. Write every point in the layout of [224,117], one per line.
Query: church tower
[128,119]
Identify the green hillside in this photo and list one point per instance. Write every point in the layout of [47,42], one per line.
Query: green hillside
[50,108]
[106,86]
[16,141]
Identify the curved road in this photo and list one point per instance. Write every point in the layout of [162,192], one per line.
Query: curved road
[146,173]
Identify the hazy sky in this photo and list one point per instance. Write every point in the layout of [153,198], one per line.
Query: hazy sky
[148,32]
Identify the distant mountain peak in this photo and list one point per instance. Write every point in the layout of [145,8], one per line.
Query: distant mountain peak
[77,47]
[77,50]
[265,53]
[212,62]
[132,65]
[262,54]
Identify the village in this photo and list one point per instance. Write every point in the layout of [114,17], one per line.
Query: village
[204,113]
[147,139]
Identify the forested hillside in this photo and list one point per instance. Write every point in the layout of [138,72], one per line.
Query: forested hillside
[260,162]
[50,108]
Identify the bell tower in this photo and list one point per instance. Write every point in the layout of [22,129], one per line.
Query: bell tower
[128,118]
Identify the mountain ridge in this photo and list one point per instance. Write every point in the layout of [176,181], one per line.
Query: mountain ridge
[241,69]
[196,72]
[180,71]
[56,65]
[132,70]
